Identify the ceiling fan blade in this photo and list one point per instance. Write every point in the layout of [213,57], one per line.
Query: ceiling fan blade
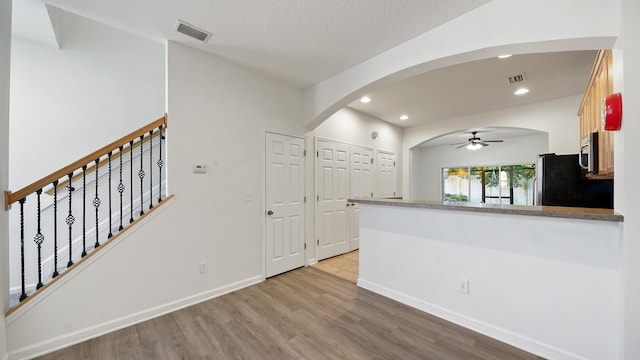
[482,143]
[496,141]
[463,145]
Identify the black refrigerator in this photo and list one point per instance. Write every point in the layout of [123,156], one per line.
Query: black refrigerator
[560,181]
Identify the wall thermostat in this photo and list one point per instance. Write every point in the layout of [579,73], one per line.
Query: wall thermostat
[199,168]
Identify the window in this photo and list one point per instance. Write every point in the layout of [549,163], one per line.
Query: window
[499,184]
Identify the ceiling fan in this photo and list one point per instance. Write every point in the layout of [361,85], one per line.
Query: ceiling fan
[475,143]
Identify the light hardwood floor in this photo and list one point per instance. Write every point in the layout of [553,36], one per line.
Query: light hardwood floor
[303,314]
[344,266]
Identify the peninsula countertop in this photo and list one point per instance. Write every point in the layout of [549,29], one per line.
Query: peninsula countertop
[546,211]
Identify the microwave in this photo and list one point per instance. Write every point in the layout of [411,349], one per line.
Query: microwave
[588,158]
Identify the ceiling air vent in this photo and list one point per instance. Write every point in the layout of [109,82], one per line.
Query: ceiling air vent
[517,78]
[192,31]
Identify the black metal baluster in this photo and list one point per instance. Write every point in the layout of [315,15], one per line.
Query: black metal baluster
[131,180]
[55,229]
[150,169]
[141,176]
[84,210]
[110,223]
[96,203]
[70,220]
[39,238]
[121,187]
[160,164]
[23,295]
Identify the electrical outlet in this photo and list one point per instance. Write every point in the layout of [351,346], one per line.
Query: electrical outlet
[463,286]
[202,267]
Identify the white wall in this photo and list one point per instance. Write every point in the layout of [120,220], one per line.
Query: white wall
[5,54]
[555,117]
[102,84]
[428,161]
[626,180]
[353,127]
[547,285]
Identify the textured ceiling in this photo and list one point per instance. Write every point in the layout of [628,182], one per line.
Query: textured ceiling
[301,42]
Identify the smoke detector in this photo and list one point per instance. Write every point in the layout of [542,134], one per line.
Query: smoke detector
[192,31]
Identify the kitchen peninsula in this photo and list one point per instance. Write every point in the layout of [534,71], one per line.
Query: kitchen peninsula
[545,279]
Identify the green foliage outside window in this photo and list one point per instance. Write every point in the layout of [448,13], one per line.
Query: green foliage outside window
[459,182]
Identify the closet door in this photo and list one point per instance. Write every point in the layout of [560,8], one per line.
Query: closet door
[333,183]
[386,171]
[361,187]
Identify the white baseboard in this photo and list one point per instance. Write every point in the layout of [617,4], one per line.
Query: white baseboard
[79,336]
[522,342]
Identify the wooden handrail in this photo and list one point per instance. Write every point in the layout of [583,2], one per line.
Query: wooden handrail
[104,161]
[12,197]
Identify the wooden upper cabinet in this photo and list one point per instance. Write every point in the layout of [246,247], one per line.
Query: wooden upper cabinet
[599,86]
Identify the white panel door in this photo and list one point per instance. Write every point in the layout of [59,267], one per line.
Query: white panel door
[332,181]
[361,174]
[284,195]
[361,187]
[386,174]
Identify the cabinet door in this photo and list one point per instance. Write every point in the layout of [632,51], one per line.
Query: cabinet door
[600,85]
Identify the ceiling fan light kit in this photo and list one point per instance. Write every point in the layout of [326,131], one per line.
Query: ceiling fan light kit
[475,143]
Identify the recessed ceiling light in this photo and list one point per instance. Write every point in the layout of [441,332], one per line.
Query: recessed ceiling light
[521,91]
[365,99]
[504,56]
[404,117]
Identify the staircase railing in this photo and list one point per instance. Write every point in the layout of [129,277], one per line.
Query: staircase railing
[82,189]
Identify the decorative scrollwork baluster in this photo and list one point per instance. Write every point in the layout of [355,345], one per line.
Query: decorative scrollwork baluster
[96,204]
[70,220]
[84,210]
[150,169]
[141,176]
[110,217]
[39,238]
[55,229]
[121,188]
[160,164]
[131,180]
[23,295]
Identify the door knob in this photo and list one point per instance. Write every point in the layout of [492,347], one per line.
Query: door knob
[269,212]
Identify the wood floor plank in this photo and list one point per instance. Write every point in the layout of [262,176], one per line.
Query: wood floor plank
[302,314]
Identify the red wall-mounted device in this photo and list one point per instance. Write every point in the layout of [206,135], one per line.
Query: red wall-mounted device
[612,112]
